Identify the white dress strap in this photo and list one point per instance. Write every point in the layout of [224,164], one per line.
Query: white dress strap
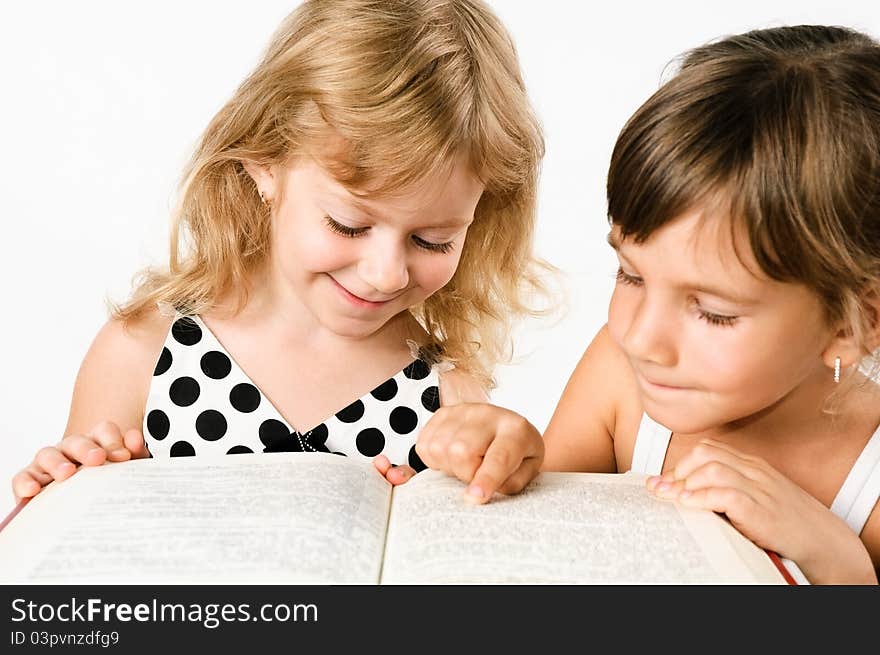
[860,491]
[652,441]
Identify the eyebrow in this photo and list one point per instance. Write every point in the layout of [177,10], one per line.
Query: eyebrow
[725,294]
[360,205]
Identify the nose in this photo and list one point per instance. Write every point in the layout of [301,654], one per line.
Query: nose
[651,333]
[384,267]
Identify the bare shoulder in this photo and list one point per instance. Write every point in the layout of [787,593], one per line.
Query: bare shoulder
[457,387]
[596,403]
[114,377]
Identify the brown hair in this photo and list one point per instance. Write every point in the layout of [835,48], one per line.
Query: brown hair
[780,128]
[407,86]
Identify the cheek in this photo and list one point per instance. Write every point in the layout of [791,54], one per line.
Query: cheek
[433,271]
[751,363]
[620,309]
[312,249]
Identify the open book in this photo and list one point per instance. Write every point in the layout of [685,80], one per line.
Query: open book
[316,518]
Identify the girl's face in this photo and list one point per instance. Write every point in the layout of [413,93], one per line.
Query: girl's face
[356,262]
[711,340]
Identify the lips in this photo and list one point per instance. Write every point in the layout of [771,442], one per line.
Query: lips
[359,299]
[658,384]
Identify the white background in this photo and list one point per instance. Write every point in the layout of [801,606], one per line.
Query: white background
[101,103]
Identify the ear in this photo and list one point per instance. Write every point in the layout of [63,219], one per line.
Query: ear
[846,345]
[263,177]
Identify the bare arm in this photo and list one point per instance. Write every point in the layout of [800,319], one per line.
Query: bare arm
[580,435]
[107,409]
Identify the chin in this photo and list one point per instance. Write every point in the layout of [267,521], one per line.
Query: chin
[681,419]
[354,329]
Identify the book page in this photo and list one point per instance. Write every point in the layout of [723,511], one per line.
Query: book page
[564,528]
[304,518]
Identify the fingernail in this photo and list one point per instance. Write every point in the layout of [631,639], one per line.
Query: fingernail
[66,467]
[663,486]
[119,452]
[32,487]
[474,493]
[653,481]
[684,494]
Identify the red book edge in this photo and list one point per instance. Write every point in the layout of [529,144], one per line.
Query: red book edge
[773,558]
[15,510]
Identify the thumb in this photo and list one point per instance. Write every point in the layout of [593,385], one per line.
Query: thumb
[134,442]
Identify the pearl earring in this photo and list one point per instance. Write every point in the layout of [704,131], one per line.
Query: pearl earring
[836,370]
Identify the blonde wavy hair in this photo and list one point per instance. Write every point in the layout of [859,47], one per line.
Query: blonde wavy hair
[408,86]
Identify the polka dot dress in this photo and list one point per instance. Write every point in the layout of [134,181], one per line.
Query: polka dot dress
[201,402]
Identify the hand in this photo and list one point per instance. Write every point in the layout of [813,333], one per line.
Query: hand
[104,442]
[394,474]
[489,447]
[769,509]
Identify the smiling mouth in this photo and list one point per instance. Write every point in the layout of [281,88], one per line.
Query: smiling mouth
[659,385]
[357,300]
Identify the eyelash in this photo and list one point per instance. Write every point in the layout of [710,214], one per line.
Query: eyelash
[719,320]
[353,232]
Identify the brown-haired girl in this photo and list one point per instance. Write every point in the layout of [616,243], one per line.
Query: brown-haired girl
[744,202]
[353,238]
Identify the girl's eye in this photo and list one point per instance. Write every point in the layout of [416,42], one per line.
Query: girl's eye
[344,230]
[433,247]
[626,278]
[717,319]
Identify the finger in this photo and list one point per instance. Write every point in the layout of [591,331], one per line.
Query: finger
[518,480]
[382,464]
[109,437]
[81,449]
[434,449]
[735,503]
[134,442]
[54,462]
[400,474]
[668,490]
[727,447]
[24,485]
[498,464]
[465,453]
[702,454]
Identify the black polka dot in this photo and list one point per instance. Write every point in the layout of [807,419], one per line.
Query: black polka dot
[182,449]
[238,450]
[186,331]
[215,365]
[431,398]
[386,390]
[211,425]
[244,397]
[164,362]
[418,370]
[158,424]
[415,461]
[276,437]
[318,436]
[403,420]
[184,391]
[351,413]
[370,442]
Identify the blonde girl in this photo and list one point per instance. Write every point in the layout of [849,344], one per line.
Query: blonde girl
[352,241]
